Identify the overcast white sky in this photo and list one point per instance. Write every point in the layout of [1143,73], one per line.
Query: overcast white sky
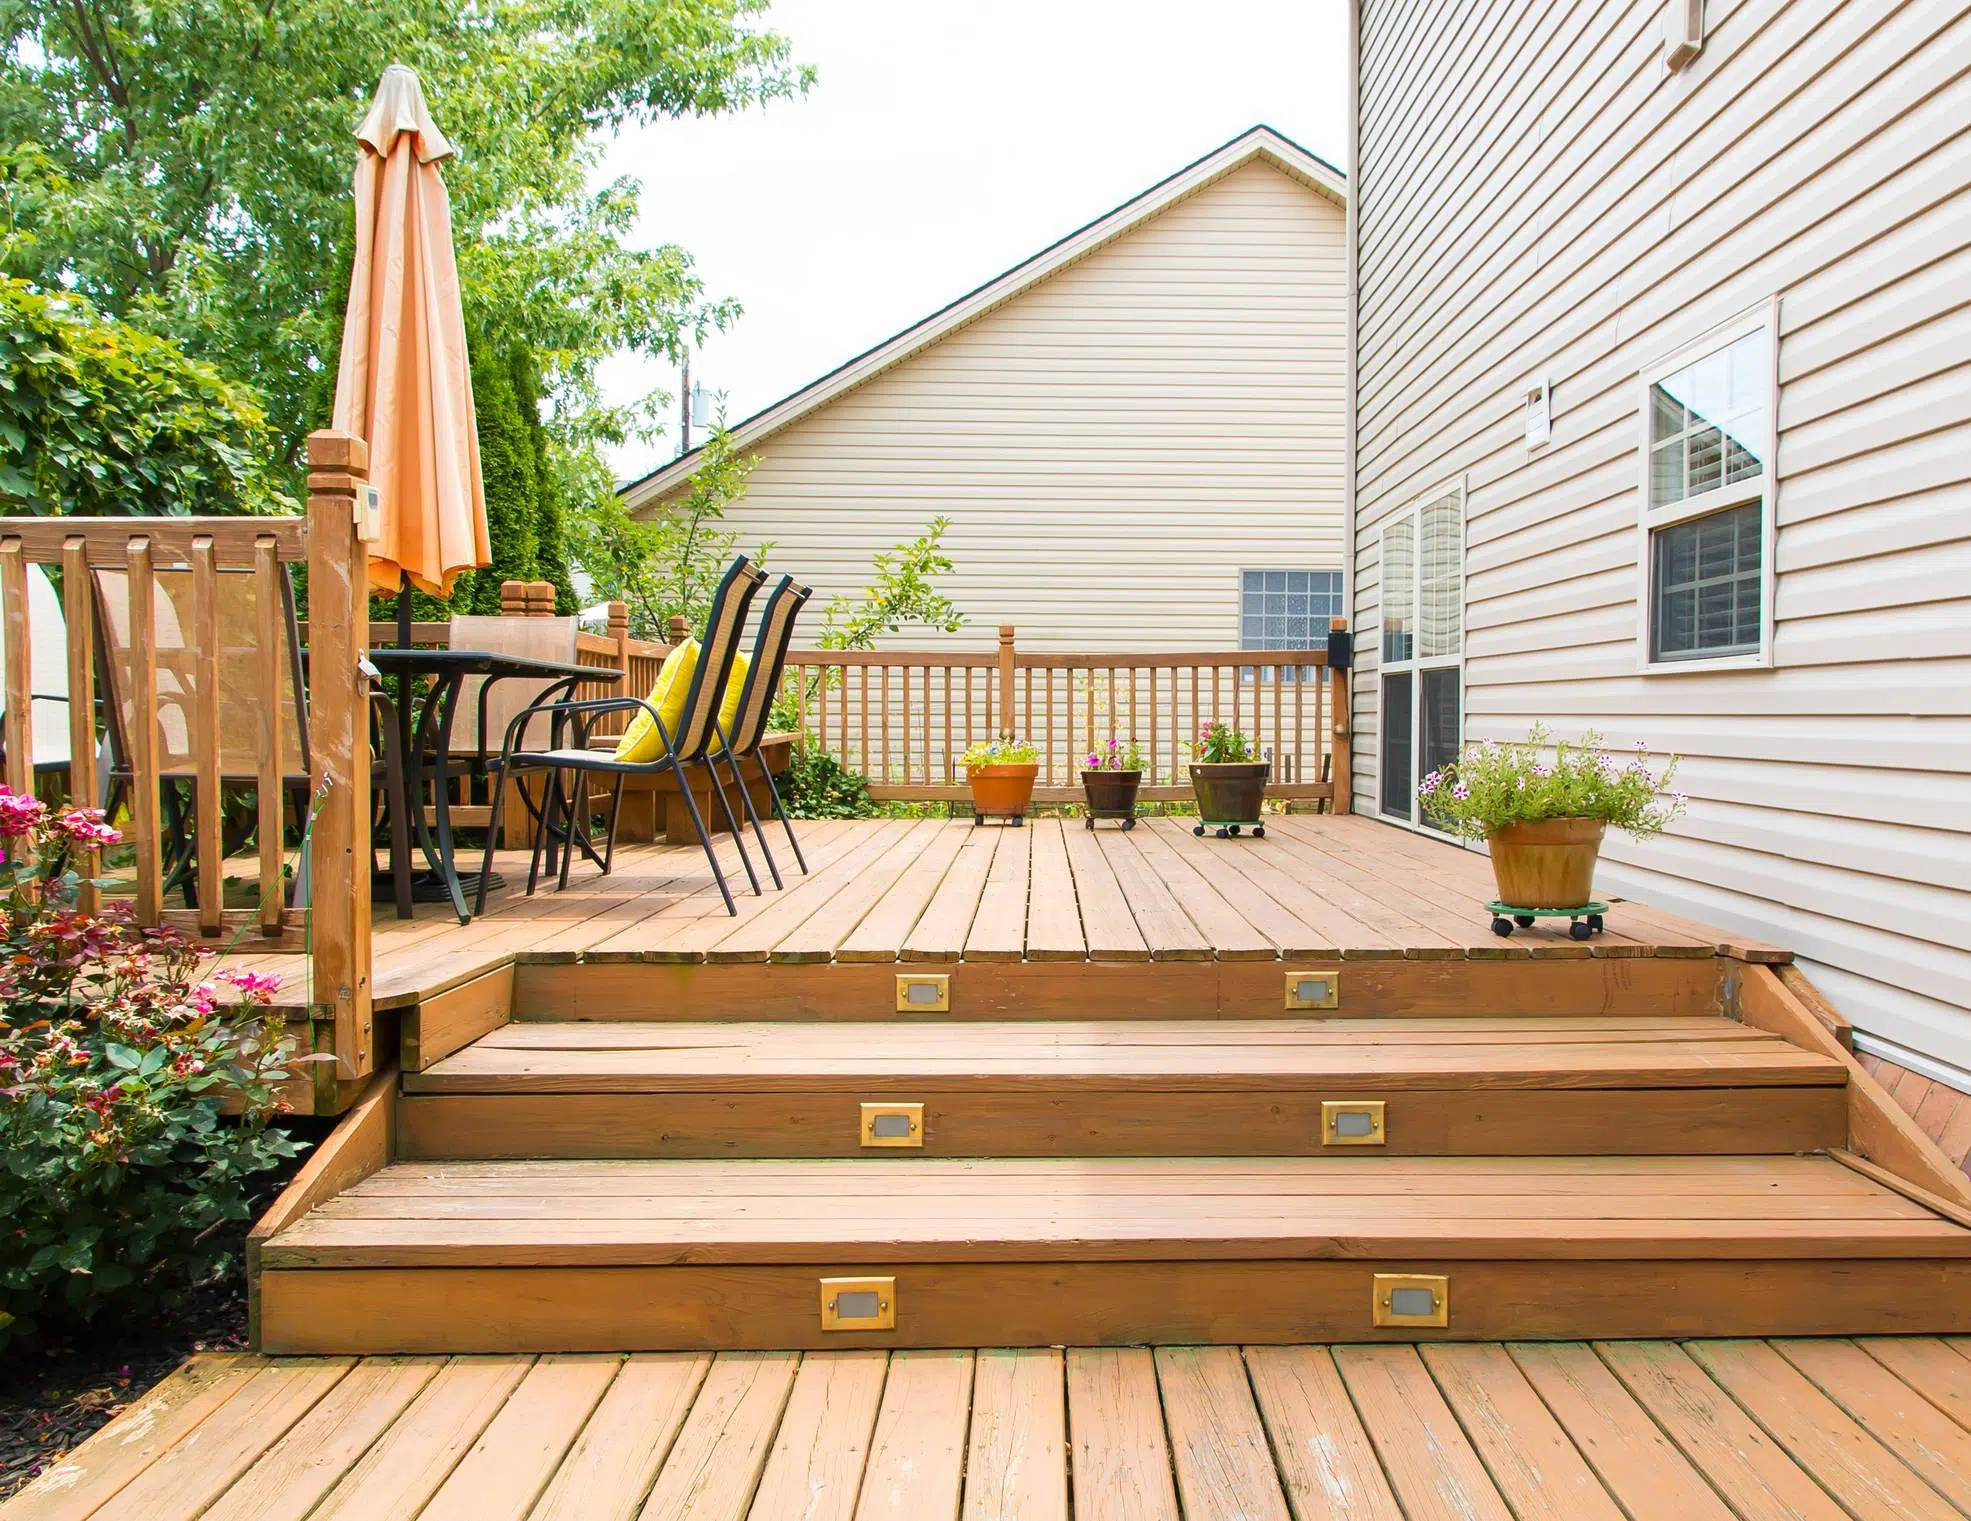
[944,141]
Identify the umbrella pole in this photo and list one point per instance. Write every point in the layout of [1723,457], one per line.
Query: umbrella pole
[404,610]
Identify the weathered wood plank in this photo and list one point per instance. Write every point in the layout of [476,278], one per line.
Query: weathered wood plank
[1866,1475]
[1121,1458]
[293,1475]
[1529,1457]
[1748,1468]
[814,1471]
[503,1472]
[1327,1463]
[1431,1464]
[715,1464]
[415,1456]
[1016,1460]
[1929,1366]
[1224,1467]
[917,1456]
[614,1462]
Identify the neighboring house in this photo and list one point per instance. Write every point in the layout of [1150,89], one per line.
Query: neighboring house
[1735,241]
[1137,434]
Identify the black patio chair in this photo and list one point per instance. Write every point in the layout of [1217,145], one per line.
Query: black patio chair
[692,745]
[756,698]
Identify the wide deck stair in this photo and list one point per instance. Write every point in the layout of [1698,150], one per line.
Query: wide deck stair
[909,1181]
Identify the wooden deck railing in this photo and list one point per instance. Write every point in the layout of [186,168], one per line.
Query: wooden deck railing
[153,590]
[904,719]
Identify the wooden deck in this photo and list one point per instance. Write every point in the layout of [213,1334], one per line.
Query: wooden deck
[1699,1431]
[882,892]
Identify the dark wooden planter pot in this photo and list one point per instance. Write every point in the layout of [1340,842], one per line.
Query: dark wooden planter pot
[1548,864]
[1111,795]
[1003,791]
[1229,792]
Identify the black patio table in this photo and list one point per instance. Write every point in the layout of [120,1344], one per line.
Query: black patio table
[424,741]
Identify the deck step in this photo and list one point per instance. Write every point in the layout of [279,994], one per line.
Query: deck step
[1472,1085]
[537,1256]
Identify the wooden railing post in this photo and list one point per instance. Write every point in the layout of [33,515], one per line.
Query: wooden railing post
[1338,730]
[342,861]
[19,674]
[676,630]
[1005,681]
[513,599]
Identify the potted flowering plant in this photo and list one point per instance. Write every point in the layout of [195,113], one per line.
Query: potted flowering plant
[134,1098]
[1542,809]
[1110,775]
[1229,778]
[1001,773]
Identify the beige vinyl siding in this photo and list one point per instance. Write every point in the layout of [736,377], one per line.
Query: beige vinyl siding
[1113,445]
[1537,198]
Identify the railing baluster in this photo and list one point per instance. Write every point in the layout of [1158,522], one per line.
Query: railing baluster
[20,666]
[206,823]
[78,611]
[1047,688]
[144,805]
[270,636]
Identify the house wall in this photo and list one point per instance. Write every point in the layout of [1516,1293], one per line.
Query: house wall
[1537,197]
[1113,446]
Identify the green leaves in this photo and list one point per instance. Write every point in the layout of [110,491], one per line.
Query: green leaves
[1491,786]
[100,418]
[186,165]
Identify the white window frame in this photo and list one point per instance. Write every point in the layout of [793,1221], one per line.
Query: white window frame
[1417,664]
[1762,319]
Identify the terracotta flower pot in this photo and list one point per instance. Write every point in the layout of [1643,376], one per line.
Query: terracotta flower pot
[1547,864]
[1229,792]
[1002,791]
[1111,795]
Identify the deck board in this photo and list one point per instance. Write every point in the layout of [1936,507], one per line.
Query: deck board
[888,890]
[1367,1433]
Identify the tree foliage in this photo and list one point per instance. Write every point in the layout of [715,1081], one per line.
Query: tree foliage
[99,418]
[903,592]
[186,165]
[670,563]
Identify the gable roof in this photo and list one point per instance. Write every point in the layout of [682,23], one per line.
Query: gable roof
[1259,142]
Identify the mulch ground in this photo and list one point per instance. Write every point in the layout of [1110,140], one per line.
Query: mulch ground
[56,1393]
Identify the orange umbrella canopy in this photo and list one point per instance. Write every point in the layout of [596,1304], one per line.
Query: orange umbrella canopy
[404,386]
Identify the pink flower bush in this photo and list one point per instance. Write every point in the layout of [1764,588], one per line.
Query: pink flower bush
[117,1071]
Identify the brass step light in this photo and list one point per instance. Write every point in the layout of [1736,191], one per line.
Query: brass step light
[1313,990]
[1353,1122]
[1411,1299]
[923,992]
[893,1125]
[858,1304]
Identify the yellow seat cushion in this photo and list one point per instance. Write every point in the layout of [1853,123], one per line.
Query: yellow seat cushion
[641,742]
[735,687]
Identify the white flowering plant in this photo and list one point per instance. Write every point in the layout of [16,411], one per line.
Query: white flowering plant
[1492,785]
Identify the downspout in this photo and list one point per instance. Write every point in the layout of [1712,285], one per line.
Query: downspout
[1351,239]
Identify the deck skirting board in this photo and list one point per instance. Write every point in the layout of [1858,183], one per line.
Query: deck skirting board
[458,1310]
[661,990]
[986,1121]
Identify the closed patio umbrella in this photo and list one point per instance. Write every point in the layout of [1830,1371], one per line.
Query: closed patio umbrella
[403,385]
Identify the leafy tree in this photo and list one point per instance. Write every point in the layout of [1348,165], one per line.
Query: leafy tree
[904,592]
[188,169]
[98,418]
[524,511]
[671,563]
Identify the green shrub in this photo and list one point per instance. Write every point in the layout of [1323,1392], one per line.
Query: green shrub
[1001,752]
[117,1165]
[818,786]
[100,418]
